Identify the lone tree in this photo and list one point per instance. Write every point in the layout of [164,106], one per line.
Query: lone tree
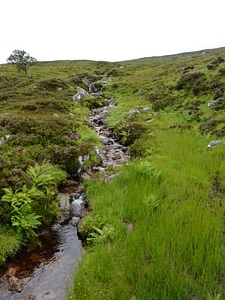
[23,61]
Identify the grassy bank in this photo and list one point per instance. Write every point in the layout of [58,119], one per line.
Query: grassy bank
[161,226]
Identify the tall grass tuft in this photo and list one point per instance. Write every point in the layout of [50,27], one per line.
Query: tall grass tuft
[168,218]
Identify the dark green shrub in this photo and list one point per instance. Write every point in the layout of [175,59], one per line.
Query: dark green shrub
[128,131]
[93,102]
[52,84]
[222,71]
[12,175]
[209,126]
[53,105]
[193,81]
[143,146]
[66,158]
[161,99]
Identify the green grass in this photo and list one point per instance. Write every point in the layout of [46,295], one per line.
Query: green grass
[175,250]
[156,230]
[10,243]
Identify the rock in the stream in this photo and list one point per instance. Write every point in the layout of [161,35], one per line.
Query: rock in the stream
[85,176]
[74,221]
[15,284]
[11,272]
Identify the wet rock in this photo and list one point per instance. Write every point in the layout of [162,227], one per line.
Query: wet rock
[99,153]
[11,272]
[32,247]
[35,257]
[70,187]
[74,221]
[95,87]
[15,284]
[65,212]
[57,226]
[104,140]
[85,176]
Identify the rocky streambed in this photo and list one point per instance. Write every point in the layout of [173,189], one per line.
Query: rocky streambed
[43,272]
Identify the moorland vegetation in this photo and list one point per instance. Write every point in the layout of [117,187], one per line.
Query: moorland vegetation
[156,231]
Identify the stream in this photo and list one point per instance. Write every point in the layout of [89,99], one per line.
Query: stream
[44,272]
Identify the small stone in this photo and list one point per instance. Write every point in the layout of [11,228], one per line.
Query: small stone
[85,176]
[150,120]
[74,221]
[11,272]
[130,227]
[214,143]
[15,284]
[35,257]
[146,109]
[134,111]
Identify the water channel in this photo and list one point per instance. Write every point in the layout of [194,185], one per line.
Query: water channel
[45,272]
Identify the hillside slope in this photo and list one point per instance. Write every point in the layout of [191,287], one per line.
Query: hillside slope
[155,231]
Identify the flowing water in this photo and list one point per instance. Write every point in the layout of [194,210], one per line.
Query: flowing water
[46,270]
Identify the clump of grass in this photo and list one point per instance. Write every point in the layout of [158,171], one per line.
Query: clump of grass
[174,248]
[10,243]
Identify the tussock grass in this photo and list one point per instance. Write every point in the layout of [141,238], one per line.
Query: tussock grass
[10,243]
[167,206]
[175,250]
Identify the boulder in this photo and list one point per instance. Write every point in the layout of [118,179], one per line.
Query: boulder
[81,93]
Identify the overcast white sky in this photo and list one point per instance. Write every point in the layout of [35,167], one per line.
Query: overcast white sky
[112,30]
